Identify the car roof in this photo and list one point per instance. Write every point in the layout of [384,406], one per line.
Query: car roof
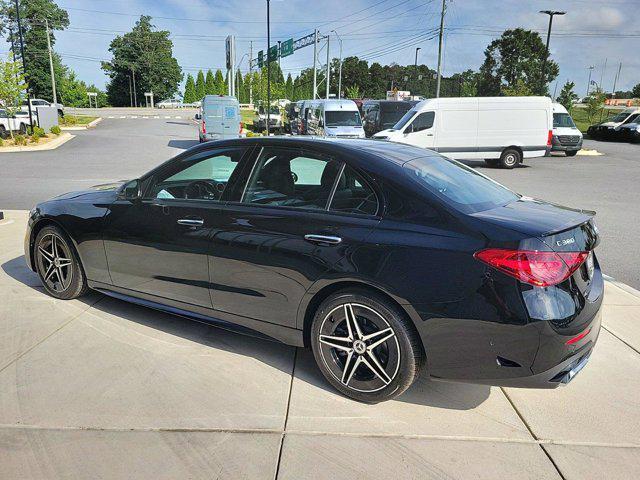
[392,152]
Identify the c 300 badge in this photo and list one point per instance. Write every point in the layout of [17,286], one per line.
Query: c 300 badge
[566,241]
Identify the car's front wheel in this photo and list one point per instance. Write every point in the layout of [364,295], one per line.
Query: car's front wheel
[365,346]
[58,265]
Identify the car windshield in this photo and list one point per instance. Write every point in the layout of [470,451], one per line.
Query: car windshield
[404,120]
[458,185]
[619,117]
[342,118]
[563,120]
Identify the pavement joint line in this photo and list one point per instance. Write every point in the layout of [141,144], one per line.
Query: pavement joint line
[18,357]
[531,432]
[623,341]
[317,433]
[286,414]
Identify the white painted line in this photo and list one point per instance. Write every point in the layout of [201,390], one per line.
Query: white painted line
[111,116]
[145,117]
[167,116]
[123,116]
[133,116]
[177,116]
[156,116]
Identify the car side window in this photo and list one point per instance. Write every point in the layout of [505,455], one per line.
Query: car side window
[424,121]
[204,177]
[354,195]
[291,178]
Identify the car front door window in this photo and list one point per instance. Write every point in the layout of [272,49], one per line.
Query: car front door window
[424,121]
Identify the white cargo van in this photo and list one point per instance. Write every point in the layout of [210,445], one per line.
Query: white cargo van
[219,118]
[332,118]
[566,136]
[501,130]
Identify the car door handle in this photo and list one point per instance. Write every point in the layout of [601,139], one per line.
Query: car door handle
[326,239]
[191,222]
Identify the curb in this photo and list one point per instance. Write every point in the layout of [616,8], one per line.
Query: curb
[52,145]
[91,124]
[623,286]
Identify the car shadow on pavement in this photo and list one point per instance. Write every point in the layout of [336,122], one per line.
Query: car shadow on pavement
[182,144]
[452,396]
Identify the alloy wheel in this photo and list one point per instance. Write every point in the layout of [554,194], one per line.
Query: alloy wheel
[359,347]
[55,262]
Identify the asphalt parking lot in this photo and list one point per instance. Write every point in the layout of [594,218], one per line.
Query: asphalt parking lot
[99,388]
[122,148]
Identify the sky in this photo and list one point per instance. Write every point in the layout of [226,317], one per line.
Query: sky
[384,31]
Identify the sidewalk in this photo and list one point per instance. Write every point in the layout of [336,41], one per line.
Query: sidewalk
[99,388]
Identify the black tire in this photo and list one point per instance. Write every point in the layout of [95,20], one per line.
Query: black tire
[23,129]
[510,158]
[60,279]
[350,363]
[3,131]
[571,153]
[492,162]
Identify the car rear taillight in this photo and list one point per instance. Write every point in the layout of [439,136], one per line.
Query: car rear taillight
[204,127]
[549,138]
[541,269]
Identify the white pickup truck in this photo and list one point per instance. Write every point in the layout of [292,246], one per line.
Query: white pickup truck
[15,124]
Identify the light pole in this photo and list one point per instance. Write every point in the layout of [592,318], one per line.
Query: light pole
[268,68]
[24,62]
[551,13]
[439,74]
[340,74]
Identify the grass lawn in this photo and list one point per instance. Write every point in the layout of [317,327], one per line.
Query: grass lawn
[72,120]
[247,117]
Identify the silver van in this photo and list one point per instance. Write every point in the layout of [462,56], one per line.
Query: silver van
[332,118]
[219,118]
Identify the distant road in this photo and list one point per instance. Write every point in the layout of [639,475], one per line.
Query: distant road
[129,112]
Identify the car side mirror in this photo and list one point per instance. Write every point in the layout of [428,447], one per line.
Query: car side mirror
[130,191]
[198,116]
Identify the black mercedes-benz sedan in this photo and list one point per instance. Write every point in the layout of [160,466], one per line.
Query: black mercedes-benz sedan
[384,259]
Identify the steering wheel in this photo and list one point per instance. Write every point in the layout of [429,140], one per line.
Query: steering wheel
[203,189]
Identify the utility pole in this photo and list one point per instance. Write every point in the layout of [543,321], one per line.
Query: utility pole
[130,91]
[328,67]
[251,72]
[415,63]
[591,67]
[13,48]
[135,95]
[551,13]
[24,63]
[602,73]
[53,76]
[615,80]
[340,74]
[315,60]
[268,67]
[444,9]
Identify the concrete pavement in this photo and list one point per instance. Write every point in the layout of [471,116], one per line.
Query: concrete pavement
[99,388]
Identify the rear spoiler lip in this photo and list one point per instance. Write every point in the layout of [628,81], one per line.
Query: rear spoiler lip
[589,214]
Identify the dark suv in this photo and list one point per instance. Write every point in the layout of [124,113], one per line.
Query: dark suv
[378,115]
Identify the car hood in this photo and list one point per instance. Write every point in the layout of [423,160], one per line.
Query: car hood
[105,190]
[534,218]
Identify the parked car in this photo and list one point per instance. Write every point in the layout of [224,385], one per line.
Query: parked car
[219,118]
[384,259]
[607,130]
[501,130]
[12,124]
[333,118]
[170,103]
[275,119]
[38,102]
[566,136]
[629,132]
[378,115]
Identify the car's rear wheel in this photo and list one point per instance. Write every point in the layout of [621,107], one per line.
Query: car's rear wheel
[365,346]
[3,131]
[58,265]
[510,158]
[23,129]
[571,153]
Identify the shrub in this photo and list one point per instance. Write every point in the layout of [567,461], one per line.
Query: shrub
[1,142]
[56,130]
[19,140]
[39,131]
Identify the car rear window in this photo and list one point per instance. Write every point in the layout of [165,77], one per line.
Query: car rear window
[458,185]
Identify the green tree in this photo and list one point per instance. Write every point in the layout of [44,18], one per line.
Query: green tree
[516,56]
[190,90]
[595,104]
[12,85]
[34,13]
[145,55]
[221,84]
[353,91]
[210,84]
[73,92]
[519,89]
[288,87]
[201,87]
[567,96]
[635,91]
[239,87]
